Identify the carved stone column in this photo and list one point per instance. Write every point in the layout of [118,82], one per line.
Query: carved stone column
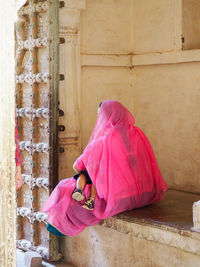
[70,91]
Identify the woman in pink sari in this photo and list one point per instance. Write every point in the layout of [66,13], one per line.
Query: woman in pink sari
[122,167]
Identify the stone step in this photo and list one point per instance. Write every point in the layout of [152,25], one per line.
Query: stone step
[161,235]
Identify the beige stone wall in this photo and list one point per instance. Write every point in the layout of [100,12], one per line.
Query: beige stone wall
[101,83]
[153,26]
[106,40]
[106,27]
[105,247]
[130,52]
[191,21]
[166,105]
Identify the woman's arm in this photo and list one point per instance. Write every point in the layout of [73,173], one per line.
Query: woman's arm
[74,168]
[79,165]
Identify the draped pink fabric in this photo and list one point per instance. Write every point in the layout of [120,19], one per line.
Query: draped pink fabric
[121,164]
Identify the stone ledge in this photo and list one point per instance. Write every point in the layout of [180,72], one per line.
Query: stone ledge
[172,57]
[106,60]
[171,226]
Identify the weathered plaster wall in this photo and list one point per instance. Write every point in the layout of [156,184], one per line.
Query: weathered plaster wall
[163,98]
[153,25]
[191,21]
[101,83]
[166,106]
[105,247]
[106,27]
[106,30]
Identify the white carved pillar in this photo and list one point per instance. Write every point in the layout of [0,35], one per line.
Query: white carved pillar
[70,88]
[7,144]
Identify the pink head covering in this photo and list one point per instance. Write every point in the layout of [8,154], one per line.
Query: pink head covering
[112,114]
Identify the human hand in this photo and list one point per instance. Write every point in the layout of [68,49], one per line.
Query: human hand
[18,177]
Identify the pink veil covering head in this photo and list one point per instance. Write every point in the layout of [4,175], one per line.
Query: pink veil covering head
[112,114]
[121,164]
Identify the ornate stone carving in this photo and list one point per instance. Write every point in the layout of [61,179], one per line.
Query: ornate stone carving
[30,77]
[42,113]
[27,145]
[42,182]
[42,251]
[30,44]
[27,163]
[24,244]
[29,180]
[25,112]
[28,245]
[31,147]
[40,217]
[42,148]
[31,112]
[43,25]
[24,212]
[32,182]
[39,7]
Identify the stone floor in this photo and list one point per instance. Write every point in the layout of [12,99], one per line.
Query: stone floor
[175,211]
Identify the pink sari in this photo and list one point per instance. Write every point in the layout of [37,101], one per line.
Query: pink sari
[122,166]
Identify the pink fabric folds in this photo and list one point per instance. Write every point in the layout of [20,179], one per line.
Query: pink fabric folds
[121,164]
